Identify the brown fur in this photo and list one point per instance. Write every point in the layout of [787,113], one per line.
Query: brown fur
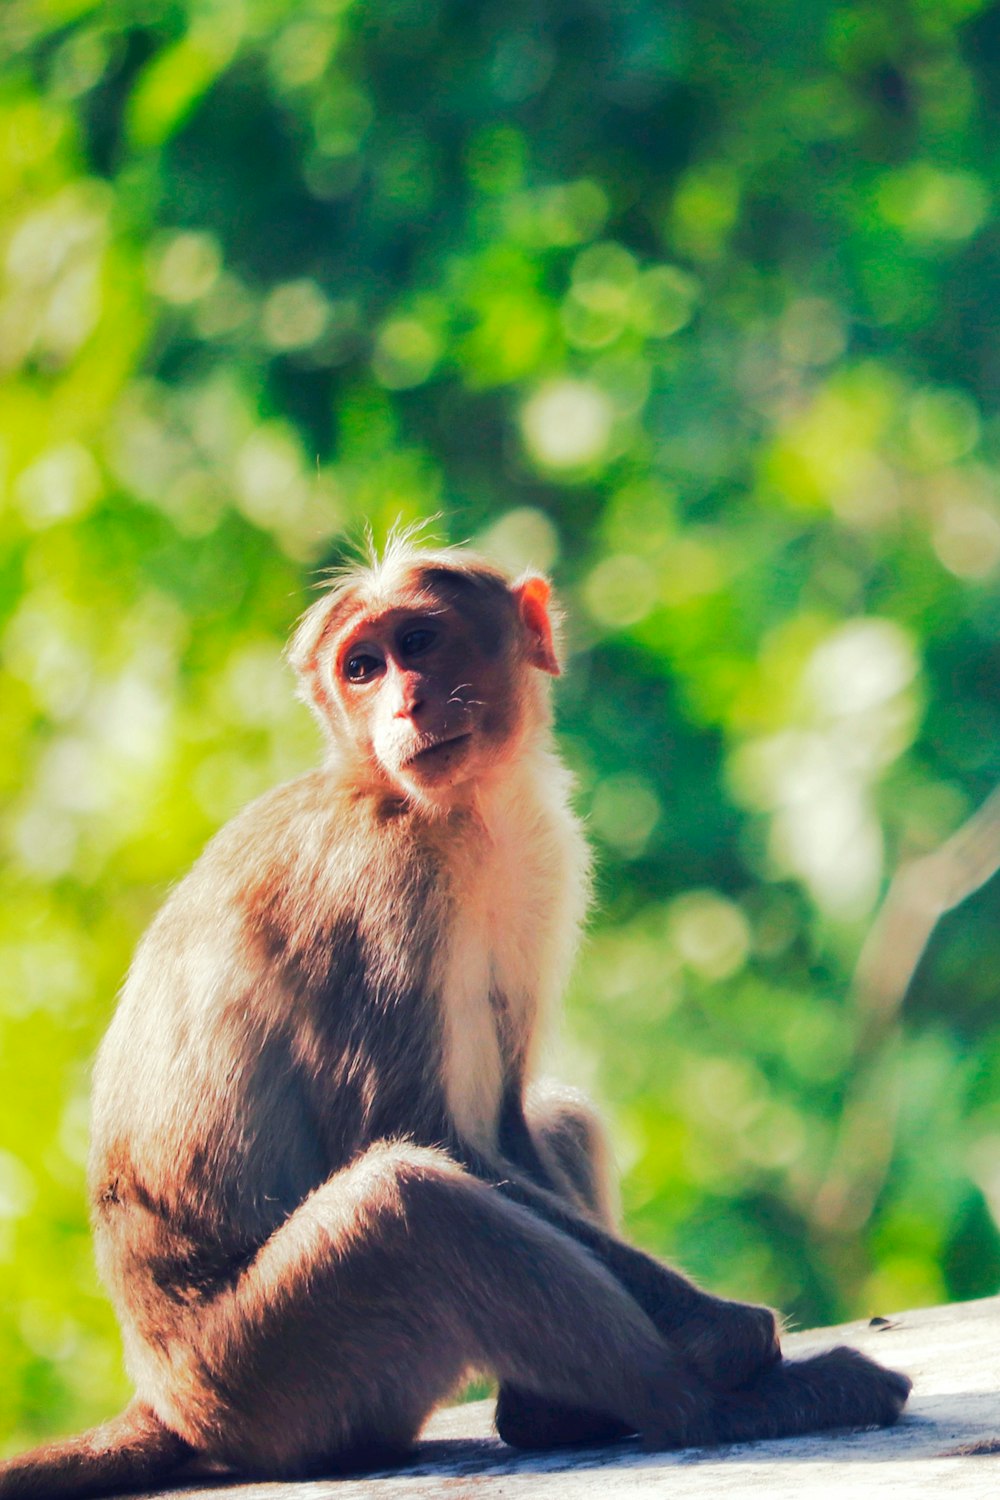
[322,1189]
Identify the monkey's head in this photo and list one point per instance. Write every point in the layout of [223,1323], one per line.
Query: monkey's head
[424,671]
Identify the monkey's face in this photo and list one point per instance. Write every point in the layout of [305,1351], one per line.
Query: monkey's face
[428,690]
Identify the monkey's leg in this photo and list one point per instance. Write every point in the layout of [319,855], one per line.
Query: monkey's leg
[725,1342]
[569,1138]
[363,1310]
[572,1140]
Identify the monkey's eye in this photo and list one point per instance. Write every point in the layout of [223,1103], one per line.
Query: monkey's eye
[361,667]
[416,642]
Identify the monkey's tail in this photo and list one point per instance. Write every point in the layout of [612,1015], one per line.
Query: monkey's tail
[130,1452]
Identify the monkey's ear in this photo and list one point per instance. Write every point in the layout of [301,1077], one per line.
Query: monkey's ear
[532,596]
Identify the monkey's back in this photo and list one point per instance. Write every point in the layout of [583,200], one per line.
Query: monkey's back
[270,1027]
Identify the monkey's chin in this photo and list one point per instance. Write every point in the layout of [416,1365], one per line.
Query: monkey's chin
[436,771]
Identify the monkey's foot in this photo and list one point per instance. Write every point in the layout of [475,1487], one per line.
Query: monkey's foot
[839,1388]
[533,1422]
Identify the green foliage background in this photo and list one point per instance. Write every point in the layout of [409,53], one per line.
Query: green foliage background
[693,304]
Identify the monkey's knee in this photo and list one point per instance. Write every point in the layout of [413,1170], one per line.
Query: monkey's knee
[571,1136]
[364,1201]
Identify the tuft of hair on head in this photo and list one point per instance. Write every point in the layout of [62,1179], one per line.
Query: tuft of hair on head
[362,569]
[371,573]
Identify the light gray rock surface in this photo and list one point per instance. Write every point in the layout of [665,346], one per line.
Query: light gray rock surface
[946,1444]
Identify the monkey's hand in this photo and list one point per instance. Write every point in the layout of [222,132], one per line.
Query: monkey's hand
[728,1343]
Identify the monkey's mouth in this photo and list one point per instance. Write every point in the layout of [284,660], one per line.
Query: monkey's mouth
[438,752]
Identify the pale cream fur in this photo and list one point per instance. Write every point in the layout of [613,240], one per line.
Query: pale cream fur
[519,894]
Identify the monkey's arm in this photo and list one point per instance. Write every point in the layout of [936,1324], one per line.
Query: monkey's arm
[752,1392]
[726,1342]
[553,1159]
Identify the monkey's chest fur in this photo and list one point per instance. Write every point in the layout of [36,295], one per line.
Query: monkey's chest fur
[330,974]
[491,975]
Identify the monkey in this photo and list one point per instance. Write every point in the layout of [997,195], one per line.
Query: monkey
[325,1182]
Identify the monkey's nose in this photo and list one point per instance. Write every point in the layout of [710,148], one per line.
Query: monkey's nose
[411,703]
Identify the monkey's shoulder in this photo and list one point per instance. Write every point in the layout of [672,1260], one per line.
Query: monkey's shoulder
[315,824]
[290,910]
[309,854]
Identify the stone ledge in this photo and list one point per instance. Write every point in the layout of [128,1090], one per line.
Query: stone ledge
[947,1442]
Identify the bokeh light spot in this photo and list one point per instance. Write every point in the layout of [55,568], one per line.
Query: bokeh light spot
[710,933]
[295,315]
[621,590]
[185,267]
[567,424]
[624,812]
[522,538]
[406,352]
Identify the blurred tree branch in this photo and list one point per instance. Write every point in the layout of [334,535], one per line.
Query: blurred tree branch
[920,893]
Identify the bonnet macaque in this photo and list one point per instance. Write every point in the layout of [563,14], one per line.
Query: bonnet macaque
[325,1185]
